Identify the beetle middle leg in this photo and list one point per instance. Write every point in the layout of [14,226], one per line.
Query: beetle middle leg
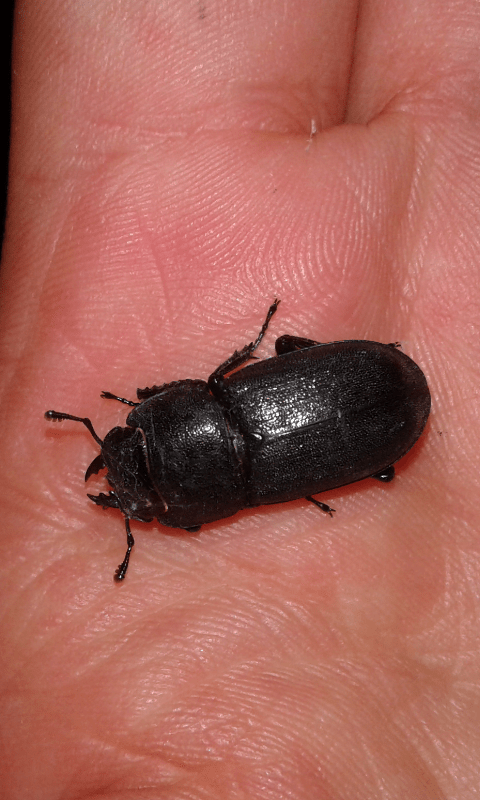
[239,357]
[322,506]
[110,396]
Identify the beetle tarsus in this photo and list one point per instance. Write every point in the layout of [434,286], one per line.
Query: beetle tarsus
[270,313]
[110,396]
[58,415]
[121,570]
[322,506]
[239,357]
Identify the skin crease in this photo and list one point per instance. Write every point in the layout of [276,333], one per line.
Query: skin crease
[164,189]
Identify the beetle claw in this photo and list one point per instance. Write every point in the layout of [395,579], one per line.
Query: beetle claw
[105,500]
[322,506]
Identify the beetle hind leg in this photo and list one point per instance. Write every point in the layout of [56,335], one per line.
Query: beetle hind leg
[322,506]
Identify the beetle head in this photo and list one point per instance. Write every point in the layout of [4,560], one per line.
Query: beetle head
[124,454]
[125,457]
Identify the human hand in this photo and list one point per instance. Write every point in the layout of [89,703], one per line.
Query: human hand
[164,188]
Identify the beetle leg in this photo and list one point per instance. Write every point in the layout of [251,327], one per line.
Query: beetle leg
[121,570]
[239,357]
[84,420]
[385,475]
[110,396]
[109,500]
[322,506]
[288,344]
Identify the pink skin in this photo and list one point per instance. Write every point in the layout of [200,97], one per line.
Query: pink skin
[164,189]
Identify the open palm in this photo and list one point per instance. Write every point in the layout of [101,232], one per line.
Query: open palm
[174,168]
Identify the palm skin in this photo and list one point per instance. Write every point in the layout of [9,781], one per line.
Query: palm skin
[165,186]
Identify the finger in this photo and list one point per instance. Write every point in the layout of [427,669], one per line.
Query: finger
[93,86]
[414,55]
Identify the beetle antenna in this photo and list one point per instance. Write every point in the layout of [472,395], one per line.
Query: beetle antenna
[121,570]
[84,420]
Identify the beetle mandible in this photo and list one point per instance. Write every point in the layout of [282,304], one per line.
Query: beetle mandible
[312,418]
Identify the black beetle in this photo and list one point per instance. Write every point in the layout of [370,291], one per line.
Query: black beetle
[314,417]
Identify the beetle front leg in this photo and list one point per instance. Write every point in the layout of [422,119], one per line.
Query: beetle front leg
[58,415]
[289,344]
[109,500]
[239,357]
[121,570]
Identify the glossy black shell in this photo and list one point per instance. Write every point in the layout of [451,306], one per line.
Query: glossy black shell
[289,426]
[343,411]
